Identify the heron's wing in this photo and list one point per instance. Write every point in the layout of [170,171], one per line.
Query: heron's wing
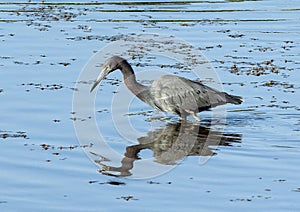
[174,94]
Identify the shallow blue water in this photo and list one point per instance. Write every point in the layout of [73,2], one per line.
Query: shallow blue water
[43,165]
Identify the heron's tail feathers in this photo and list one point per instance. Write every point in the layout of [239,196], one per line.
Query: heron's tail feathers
[233,99]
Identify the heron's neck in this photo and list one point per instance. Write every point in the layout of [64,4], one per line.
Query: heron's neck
[130,79]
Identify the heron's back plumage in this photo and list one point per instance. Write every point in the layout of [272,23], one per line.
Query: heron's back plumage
[176,94]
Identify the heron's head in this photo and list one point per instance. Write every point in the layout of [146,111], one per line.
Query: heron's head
[108,66]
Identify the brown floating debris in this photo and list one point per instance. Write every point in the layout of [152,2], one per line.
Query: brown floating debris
[45,146]
[64,63]
[236,35]
[272,83]
[234,69]
[43,87]
[55,18]
[19,134]
[112,182]
[127,198]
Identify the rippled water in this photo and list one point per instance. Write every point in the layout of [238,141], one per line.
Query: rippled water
[251,164]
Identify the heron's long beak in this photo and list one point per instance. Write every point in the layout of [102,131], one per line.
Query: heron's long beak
[101,76]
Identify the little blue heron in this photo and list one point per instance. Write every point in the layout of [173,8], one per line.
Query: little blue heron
[169,93]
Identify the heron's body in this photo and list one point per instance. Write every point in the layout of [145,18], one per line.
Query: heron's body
[170,93]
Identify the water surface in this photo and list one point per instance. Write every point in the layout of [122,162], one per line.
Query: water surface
[253,47]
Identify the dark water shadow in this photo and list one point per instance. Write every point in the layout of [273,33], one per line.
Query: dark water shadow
[170,145]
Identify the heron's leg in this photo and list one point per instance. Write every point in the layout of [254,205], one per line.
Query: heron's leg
[194,115]
[183,116]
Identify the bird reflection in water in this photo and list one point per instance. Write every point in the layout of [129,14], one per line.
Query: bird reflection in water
[170,145]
